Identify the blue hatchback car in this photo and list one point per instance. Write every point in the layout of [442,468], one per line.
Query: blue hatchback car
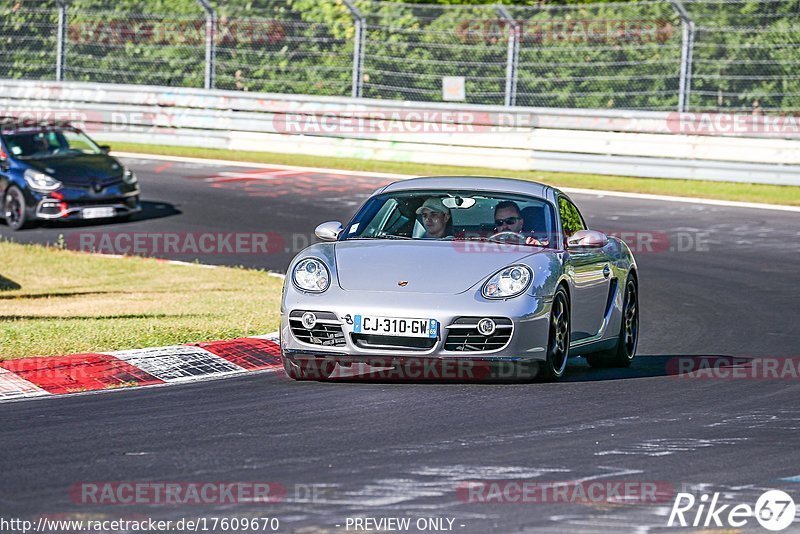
[53,171]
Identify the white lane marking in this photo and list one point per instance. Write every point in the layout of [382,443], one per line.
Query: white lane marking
[666,447]
[691,200]
[161,260]
[261,175]
[570,190]
[252,165]
[178,363]
[13,386]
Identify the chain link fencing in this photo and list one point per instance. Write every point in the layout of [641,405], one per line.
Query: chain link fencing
[746,55]
[144,42]
[721,55]
[28,40]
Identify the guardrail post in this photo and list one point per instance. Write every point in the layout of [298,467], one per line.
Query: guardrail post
[687,52]
[211,43]
[358,48]
[61,40]
[512,60]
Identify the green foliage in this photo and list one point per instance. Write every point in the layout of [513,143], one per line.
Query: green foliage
[593,54]
[156,42]
[27,39]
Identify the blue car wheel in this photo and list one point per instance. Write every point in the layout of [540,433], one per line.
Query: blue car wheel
[15,209]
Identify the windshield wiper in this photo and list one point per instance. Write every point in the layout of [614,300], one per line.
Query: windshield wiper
[471,238]
[488,239]
[382,236]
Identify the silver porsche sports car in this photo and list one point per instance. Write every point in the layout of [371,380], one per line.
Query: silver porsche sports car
[455,271]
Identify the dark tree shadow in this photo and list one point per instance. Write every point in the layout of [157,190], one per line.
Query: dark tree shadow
[155,210]
[150,210]
[682,366]
[7,284]
[578,370]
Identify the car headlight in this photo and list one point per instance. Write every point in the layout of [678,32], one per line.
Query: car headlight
[39,181]
[129,177]
[312,275]
[508,282]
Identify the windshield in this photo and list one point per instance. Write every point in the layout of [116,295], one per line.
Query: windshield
[47,143]
[455,215]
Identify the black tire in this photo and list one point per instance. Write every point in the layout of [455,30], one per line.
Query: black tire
[628,340]
[558,340]
[14,208]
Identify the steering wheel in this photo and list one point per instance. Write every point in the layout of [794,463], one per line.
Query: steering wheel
[508,236]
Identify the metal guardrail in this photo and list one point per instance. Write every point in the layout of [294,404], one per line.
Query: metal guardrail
[649,55]
[631,143]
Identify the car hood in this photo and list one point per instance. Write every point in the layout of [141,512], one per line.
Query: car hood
[447,267]
[80,170]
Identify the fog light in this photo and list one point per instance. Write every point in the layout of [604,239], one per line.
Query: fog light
[309,320]
[486,327]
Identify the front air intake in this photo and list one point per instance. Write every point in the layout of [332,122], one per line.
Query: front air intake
[326,332]
[463,335]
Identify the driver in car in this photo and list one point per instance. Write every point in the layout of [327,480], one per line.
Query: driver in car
[508,218]
[41,144]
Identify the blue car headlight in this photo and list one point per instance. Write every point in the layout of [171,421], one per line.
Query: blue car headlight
[508,282]
[311,274]
[39,181]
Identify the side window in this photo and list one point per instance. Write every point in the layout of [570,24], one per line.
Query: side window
[571,220]
[54,140]
[379,221]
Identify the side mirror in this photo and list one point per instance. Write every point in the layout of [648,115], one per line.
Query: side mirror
[328,231]
[587,239]
[105,149]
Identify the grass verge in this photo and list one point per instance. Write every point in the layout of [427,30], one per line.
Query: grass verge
[767,194]
[55,302]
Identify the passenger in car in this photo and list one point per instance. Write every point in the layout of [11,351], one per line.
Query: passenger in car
[435,218]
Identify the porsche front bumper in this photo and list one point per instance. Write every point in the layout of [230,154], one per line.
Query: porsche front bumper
[333,339]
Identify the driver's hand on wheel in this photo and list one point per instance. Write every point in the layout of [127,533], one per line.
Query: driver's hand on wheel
[533,241]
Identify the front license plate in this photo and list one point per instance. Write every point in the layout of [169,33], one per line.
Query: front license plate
[97,213]
[395,326]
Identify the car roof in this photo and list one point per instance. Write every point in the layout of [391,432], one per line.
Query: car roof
[477,183]
[9,123]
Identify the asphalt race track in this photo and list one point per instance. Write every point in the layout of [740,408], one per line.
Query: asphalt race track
[714,281]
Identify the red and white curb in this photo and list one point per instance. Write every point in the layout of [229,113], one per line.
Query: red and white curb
[79,373]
